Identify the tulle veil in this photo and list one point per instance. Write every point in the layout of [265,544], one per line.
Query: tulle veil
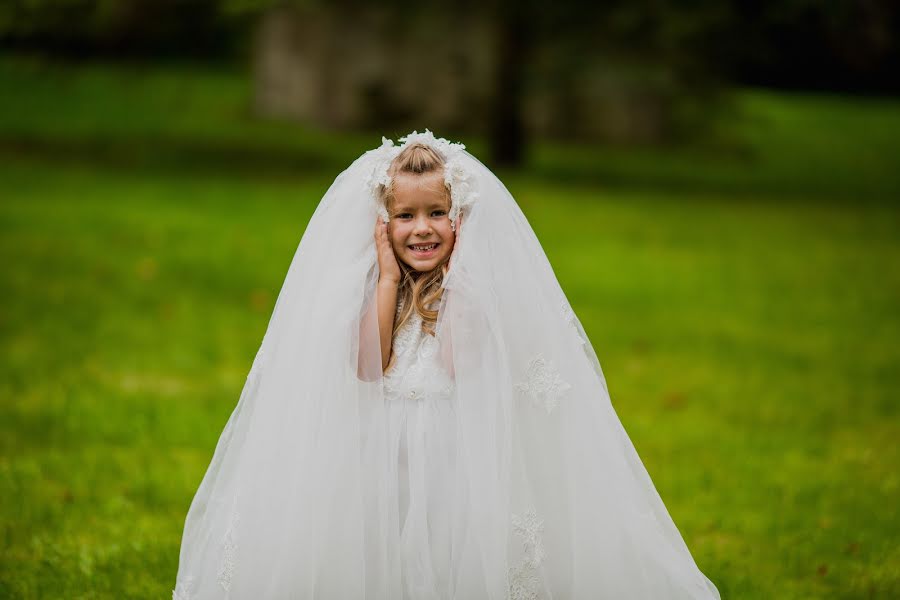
[552,500]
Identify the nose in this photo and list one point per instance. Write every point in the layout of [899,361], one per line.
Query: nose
[423,227]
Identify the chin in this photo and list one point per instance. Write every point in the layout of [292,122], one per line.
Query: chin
[422,266]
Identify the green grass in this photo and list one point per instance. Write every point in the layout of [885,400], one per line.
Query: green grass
[743,302]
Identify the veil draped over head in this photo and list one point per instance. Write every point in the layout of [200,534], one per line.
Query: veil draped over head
[550,498]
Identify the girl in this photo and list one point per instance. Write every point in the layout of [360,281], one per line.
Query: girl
[414,250]
[426,418]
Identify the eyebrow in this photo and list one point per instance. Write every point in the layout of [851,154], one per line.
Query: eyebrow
[404,208]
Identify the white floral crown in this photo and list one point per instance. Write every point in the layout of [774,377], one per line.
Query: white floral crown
[459,181]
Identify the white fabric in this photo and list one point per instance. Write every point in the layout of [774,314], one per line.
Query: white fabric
[488,464]
[422,435]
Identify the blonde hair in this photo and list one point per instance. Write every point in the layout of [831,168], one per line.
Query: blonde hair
[417,291]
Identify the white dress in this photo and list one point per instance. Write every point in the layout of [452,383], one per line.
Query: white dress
[510,475]
[419,393]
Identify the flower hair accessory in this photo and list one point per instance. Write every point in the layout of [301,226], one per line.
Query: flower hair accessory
[457,179]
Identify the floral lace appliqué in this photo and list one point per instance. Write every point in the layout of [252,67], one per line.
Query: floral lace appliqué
[379,160]
[416,375]
[229,555]
[407,335]
[529,528]
[524,581]
[542,384]
[428,346]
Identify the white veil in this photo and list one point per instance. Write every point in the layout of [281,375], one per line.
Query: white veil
[552,501]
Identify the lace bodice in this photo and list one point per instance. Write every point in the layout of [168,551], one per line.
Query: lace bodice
[417,372]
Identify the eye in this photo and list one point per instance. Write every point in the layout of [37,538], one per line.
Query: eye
[439,213]
[402,216]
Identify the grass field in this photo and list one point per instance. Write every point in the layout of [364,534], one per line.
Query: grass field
[744,302]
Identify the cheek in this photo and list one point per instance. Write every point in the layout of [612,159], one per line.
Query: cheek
[448,234]
[397,236]
[449,241]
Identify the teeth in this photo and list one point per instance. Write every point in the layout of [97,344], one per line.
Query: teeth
[425,248]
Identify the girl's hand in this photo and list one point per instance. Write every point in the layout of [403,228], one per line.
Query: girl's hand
[388,268]
[446,266]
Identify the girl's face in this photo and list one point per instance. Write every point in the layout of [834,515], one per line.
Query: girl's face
[419,228]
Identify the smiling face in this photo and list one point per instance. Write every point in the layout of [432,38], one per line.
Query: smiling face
[419,228]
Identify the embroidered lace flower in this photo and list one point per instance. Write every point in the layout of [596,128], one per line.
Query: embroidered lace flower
[542,384]
[429,346]
[229,559]
[380,159]
[413,377]
[407,335]
[529,528]
[524,581]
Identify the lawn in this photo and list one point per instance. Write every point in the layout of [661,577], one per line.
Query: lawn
[742,298]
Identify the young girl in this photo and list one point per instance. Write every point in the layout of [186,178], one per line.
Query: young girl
[426,418]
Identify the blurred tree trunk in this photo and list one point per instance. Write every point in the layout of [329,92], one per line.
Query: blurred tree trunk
[506,133]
